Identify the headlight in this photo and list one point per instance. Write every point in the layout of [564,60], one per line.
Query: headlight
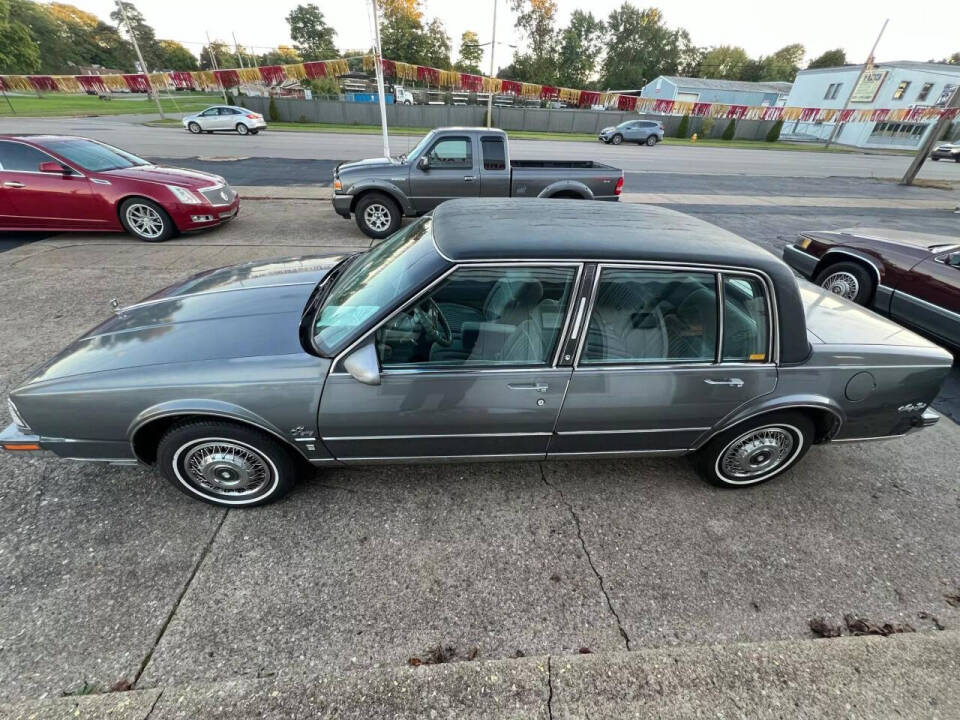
[804,242]
[15,416]
[184,195]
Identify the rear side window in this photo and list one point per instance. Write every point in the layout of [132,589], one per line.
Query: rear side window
[451,153]
[652,316]
[16,157]
[494,155]
[746,320]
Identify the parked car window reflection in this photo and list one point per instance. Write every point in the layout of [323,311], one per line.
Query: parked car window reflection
[17,157]
[452,153]
[94,156]
[652,316]
[490,317]
[375,282]
[745,320]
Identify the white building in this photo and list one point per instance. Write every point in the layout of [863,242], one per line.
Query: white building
[900,85]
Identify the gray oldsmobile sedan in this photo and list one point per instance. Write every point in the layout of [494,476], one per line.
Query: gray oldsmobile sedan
[494,330]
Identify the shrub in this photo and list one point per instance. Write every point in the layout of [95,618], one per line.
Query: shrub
[706,126]
[774,133]
[273,113]
[684,126]
[730,130]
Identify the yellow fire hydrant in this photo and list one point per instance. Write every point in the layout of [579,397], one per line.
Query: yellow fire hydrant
[693,138]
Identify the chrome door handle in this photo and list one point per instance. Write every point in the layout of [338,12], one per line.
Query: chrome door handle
[734,382]
[14,184]
[539,387]
[469,178]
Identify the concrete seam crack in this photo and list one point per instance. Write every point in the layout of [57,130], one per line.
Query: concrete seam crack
[549,689]
[176,605]
[153,705]
[586,551]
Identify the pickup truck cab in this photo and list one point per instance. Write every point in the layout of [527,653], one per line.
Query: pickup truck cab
[459,162]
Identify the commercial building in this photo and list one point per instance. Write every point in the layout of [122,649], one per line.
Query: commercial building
[904,85]
[707,90]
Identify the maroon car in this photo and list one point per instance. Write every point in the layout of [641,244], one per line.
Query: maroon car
[60,183]
[912,277]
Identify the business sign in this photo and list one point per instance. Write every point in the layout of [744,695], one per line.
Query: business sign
[946,95]
[868,87]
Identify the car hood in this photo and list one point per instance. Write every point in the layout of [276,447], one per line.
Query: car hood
[243,311]
[887,236]
[833,320]
[368,164]
[167,175]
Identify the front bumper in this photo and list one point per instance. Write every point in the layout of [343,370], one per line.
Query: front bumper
[203,215]
[800,260]
[12,439]
[926,419]
[945,155]
[341,205]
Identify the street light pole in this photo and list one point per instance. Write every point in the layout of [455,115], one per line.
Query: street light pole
[927,145]
[378,68]
[143,65]
[236,47]
[213,64]
[493,47]
[868,63]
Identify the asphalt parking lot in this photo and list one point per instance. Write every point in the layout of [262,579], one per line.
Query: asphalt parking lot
[111,576]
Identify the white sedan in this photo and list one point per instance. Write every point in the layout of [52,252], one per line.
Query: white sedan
[225,118]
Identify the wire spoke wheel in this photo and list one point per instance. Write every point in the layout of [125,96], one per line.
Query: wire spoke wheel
[224,467]
[756,454]
[145,220]
[377,217]
[844,284]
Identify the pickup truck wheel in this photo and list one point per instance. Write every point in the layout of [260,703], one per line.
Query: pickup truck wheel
[756,450]
[848,280]
[617,139]
[651,140]
[378,216]
[225,464]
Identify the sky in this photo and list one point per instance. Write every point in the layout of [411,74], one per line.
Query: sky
[914,32]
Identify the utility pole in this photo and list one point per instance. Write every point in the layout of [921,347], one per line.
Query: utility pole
[927,145]
[213,64]
[236,47]
[143,65]
[867,64]
[378,67]
[7,98]
[493,47]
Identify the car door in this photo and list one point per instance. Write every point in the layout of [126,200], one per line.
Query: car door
[658,367]
[450,173]
[928,297]
[487,387]
[34,199]
[209,119]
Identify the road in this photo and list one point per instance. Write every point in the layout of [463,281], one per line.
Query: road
[129,133]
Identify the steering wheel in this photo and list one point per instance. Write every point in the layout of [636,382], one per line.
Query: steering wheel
[429,318]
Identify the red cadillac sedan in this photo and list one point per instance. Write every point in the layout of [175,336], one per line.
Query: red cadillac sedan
[61,183]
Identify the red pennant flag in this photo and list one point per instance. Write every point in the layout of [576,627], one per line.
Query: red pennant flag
[389,68]
[589,98]
[845,115]
[471,82]
[879,115]
[182,79]
[227,78]
[772,113]
[43,83]
[701,109]
[627,103]
[511,86]
[737,111]
[137,82]
[429,75]
[547,92]
[663,106]
[315,69]
[271,74]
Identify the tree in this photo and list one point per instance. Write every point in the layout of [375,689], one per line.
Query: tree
[581,43]
[471,54]
[404,37]
[831,58]
[684,126]
[225,58]
[774,133]
[18,51]
[953,59]
[640,47]
[146,37]
[283,55]
[174,56]
[724,62]
[730,130]
[311,35]
[536,20]
[782,65]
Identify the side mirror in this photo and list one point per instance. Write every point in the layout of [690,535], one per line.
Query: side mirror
[50,166]
[424,163]
[953,259]
[363,364]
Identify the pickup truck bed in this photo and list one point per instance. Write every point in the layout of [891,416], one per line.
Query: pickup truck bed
[459,162]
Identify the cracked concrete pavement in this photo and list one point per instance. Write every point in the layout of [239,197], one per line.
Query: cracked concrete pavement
[314,605]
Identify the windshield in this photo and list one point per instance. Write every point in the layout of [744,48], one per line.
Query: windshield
[93,156]
[374,283]
[421,145]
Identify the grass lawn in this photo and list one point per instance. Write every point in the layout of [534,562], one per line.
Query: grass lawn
[531,135]
[64,104]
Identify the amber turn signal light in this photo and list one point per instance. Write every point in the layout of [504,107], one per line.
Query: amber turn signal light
[20,446]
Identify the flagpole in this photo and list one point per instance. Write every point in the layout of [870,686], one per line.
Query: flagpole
[143,65]
[213,64]
[493,47]
[378,67]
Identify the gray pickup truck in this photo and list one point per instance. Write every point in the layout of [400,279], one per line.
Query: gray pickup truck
[459,162]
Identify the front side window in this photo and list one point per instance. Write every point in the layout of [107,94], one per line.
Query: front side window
[210,112]
[481,317]
[17,157]
[746,320]
[494,155]
[451,153]
[374,282]
[94,156]
[652,316]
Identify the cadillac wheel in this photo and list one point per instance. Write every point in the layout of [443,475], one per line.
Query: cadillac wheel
[756,450]
[225,464]
[146,220]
